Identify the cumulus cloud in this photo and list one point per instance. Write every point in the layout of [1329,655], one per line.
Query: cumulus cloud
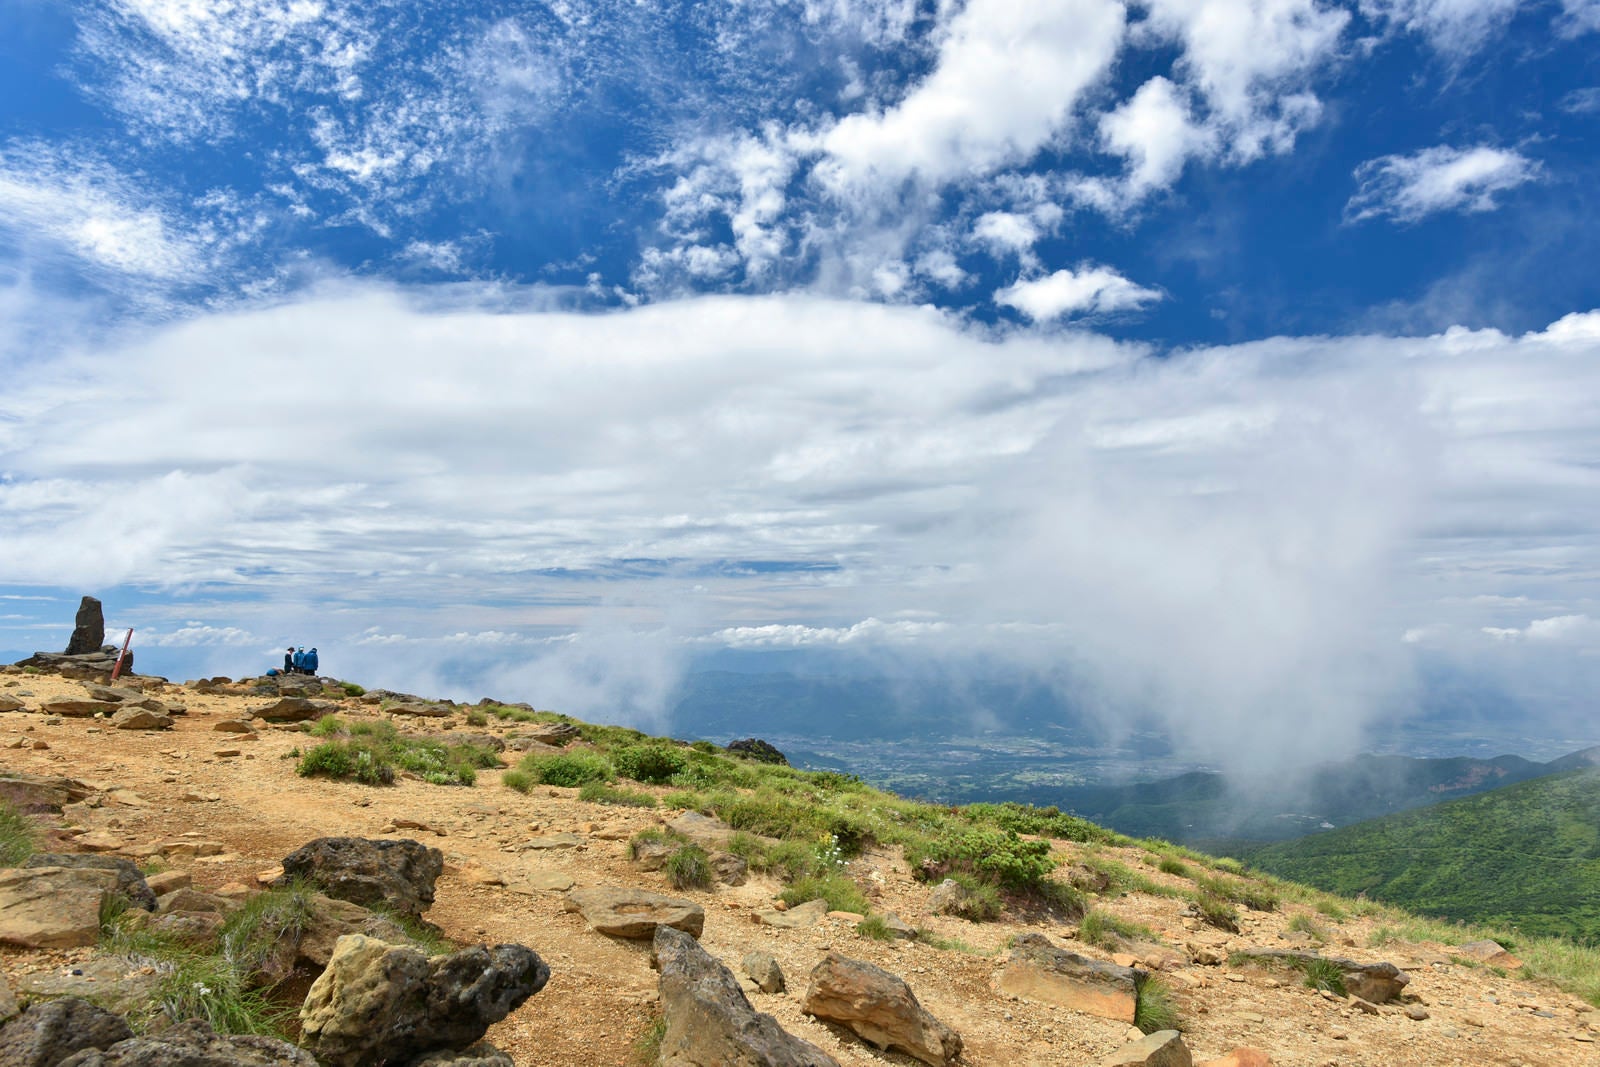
[1408,188]
[1156,133]
[1089,290]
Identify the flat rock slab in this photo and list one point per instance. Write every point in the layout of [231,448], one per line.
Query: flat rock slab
[427,711]
[635,913]
[31,793]
[116,982]
[1038,970]
[76,709]
[543,882]
[1490,952]
[53,907]
[796,918]
[1164,1048]
[10,703]
[554,841]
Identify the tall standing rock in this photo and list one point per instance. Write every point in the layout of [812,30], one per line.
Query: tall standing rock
[89,628]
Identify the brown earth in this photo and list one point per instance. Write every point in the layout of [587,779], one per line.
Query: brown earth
[601,997]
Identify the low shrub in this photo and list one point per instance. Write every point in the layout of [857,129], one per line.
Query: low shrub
[568,769]
[839,891]
[1001,855]
[1218,912]
[874,928]
[648,763]
[1155,1007]
[982,903]
[19,838]
[1323,974]
[348,759]
[1173,865]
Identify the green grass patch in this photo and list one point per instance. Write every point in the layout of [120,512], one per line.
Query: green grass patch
[606,793]
[874,928]
[1155,1007]
[567,769]
[839,891]
[655,763]
[1173,865]
[689,868]
[1323,974]
[1103,930]
[366,763]
[19,838]
[1218,912]
[1305,924]
[373,752]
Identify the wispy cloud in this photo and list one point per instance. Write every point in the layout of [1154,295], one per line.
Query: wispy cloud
[1410,188]
[1456,28]
[1089,290]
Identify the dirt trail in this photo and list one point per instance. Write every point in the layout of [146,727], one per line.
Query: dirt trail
[600,999]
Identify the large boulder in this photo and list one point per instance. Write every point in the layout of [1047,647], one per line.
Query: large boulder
[399,874]
[53,907]
[141,719]
[880,1008]
[34,793]
[709,1023]
[294,709]
[130,880]
[76,708]
[1037,970]
[378,1002]
[88,628]
[194,1044]
[635,913]
[50,1031]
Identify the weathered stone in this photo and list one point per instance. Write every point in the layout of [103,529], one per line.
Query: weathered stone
[796,918]
[532,746]
[1164,1048]
[489,741]
[542,882]
[898,926]
[192,899]
[880,1008]
[762,969]
[115,694]
[8,1002]
[554,841]
[47,1033]
[703,830]
[192,1043]
[88,628]
[949,897]
[116,983]
[141,719]
[482,1054]
[71,708]
[232,726]
[1490,952]
[10,703]
[130,881]
[378,1002]
[730,869]
[756,749]
[1040,971]
[635,913]
[1376,983]
[294,709]
[429,711]
[555,734]
[33,793]
[650,853]
[709,1023]
[53,907]
[196,928]
[400,873]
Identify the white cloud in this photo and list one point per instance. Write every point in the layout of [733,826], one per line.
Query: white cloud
[1582,101]
[797,635]
[1006,232]
[1007,81]
[1088,290]
[1155,132]
[1251,63]
[1455,27]
[1409,188]
[196,634]
[1579,17]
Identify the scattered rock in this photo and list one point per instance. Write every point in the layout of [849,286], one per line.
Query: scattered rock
[71,708]
[1376,983]
[798,917]
[555,734]
[703,830]
[1416,1012]
[378,1002]
[191,899]
[1243,1056]
[115,983]
[233,726]
[1164,1048]
[762,969]
[730,869]
[1491,953]
[554,841]
[880,1008]
[650,854]
[949,897]
[1040,971]
[10,703]
[482,1054]
[193,1044]
[195,928]
[400,873]
[635,913]
[53,907]
[709,1021]
[543,882]
[47,1033]
[141,719]
[429,711]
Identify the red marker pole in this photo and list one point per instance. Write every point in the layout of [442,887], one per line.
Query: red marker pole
[116,668]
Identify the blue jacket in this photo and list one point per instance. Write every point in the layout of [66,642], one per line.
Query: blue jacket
[310,661]
[299,660]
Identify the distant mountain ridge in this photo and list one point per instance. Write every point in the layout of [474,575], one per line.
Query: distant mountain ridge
[1526,855]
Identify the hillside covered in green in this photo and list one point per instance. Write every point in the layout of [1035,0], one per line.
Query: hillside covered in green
[1526,856]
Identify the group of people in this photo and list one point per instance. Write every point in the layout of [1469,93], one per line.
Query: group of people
[299,661]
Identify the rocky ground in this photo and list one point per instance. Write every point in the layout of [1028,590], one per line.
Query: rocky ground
[227,807]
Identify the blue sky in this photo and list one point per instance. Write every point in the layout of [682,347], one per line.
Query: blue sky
[1217,357]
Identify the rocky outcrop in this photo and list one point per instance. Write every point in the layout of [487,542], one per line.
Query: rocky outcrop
[194,1044]
[556,734]
[1164,1048]
[880,1008]
[425,711]
[52,907]
[130,882]
[400,874]
[75,708]
[709,1023]
[796,918]
[32,793]
[141,719]
[1038,970]
[1375,983]
[49,1032]
[1491,952]
[378,1002]
[762,969]
[758,750]
[88,628]
[635,913]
